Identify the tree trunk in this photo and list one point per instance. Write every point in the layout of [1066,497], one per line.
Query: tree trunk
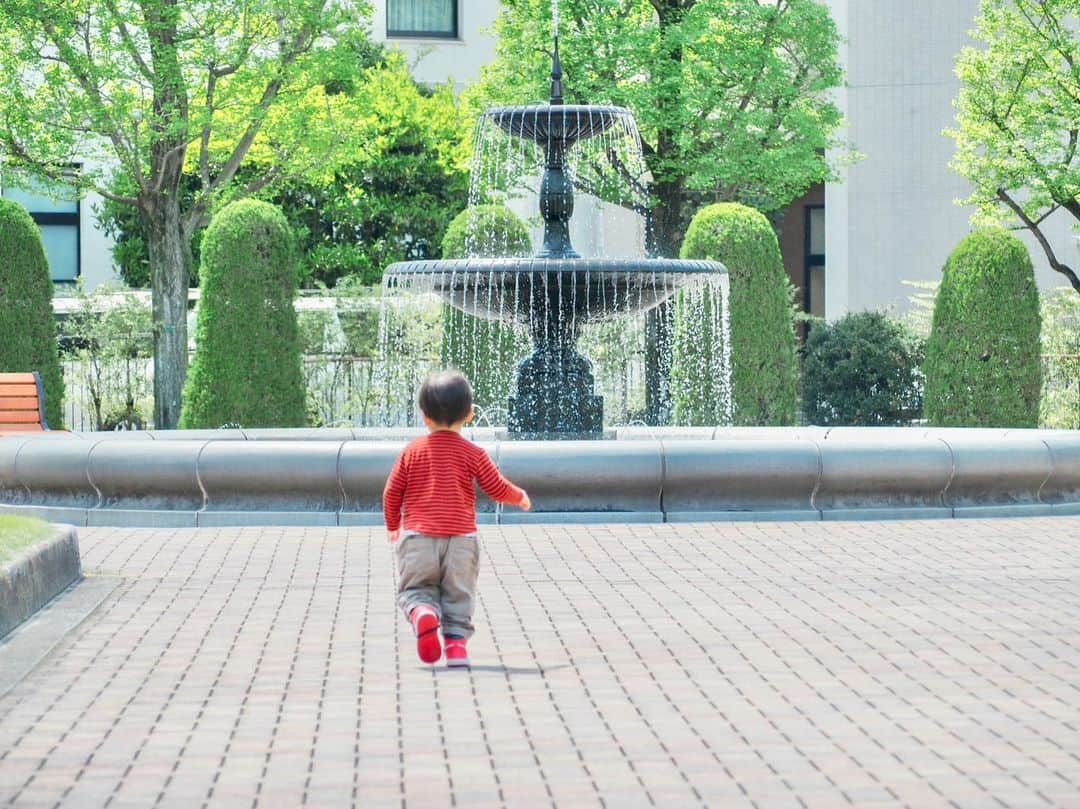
[170,260]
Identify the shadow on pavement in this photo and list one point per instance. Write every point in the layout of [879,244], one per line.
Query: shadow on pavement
[506,669]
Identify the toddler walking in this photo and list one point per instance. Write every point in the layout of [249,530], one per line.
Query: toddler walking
[429,505]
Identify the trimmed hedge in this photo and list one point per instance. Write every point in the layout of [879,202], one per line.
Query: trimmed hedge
[246,368]
[763,366]
[27,327]
[861,370]
[982,359]
[486,231]
[486,351]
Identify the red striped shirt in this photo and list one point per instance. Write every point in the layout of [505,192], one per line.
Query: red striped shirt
[430,488]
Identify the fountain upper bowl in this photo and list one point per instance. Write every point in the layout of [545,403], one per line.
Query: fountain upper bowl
[583,289]
[559,122]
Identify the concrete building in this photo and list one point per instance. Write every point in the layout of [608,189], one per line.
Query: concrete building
[849,246]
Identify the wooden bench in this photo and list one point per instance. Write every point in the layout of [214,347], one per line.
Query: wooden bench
[22,403]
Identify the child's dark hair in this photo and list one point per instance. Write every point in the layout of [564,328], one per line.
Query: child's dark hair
[446,397]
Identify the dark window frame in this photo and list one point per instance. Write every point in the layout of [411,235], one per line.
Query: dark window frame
[811,260]
[70,219]
[455,34]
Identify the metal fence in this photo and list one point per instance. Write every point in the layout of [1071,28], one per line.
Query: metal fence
[342,390]
[366,392]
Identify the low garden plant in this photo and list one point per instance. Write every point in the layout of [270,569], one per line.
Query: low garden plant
[861,370]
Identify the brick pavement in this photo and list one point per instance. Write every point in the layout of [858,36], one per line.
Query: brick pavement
[914,664]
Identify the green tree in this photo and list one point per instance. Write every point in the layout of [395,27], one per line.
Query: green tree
[163,84]
[731,96]
[1018,116]
[763,367]
[861,370]
[484,350]
[26,316]
[982,359]
[246,367]
[388,198]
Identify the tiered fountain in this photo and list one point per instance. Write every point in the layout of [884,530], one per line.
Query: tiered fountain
[556,292]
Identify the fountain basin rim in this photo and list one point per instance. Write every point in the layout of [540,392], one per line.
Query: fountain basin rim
[568,123]
[557,110]
[530,266]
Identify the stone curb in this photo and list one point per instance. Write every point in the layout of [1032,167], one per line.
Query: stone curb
[281,477]
[37,575]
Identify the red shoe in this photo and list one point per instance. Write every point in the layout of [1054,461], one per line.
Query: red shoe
[457,656]
[425,623]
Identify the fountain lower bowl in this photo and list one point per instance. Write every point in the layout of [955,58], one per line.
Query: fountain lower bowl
[584,289]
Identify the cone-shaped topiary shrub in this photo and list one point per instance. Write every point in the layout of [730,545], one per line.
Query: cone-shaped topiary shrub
[246,368]
[763,368]
[27,327]
[484,350]
[982,359]
[861,370]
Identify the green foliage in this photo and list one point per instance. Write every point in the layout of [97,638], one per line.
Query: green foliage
[982,359]
[164,85]
[484,350]
[393,196]
[1017,113]
[1061,360]
[731,96]
[862,370]
[18,533]
[763,366]
[246,368]
[111,334]
[28,341]
[387,199]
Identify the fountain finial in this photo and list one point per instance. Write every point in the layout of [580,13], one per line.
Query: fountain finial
[556,75]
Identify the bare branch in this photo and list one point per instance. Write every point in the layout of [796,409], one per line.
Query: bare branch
[129,40]
[1033,227]
[18,150]
[301,42]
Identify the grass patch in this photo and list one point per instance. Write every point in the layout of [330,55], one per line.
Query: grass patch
[18,532]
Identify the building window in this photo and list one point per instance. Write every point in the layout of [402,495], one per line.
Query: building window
[814,275]
[437,19]
[54,206]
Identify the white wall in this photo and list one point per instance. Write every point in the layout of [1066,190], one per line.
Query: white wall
[95,247]
[436,60]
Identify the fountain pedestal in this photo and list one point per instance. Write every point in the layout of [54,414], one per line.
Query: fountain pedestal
[555,396]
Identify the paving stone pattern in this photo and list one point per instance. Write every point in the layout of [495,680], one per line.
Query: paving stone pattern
[914,664]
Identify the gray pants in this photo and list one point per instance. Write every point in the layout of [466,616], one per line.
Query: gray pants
[441,573]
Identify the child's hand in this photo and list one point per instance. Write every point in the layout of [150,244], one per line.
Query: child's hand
[393,536]
[525,503]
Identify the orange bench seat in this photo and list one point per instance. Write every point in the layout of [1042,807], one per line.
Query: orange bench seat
[22,403]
